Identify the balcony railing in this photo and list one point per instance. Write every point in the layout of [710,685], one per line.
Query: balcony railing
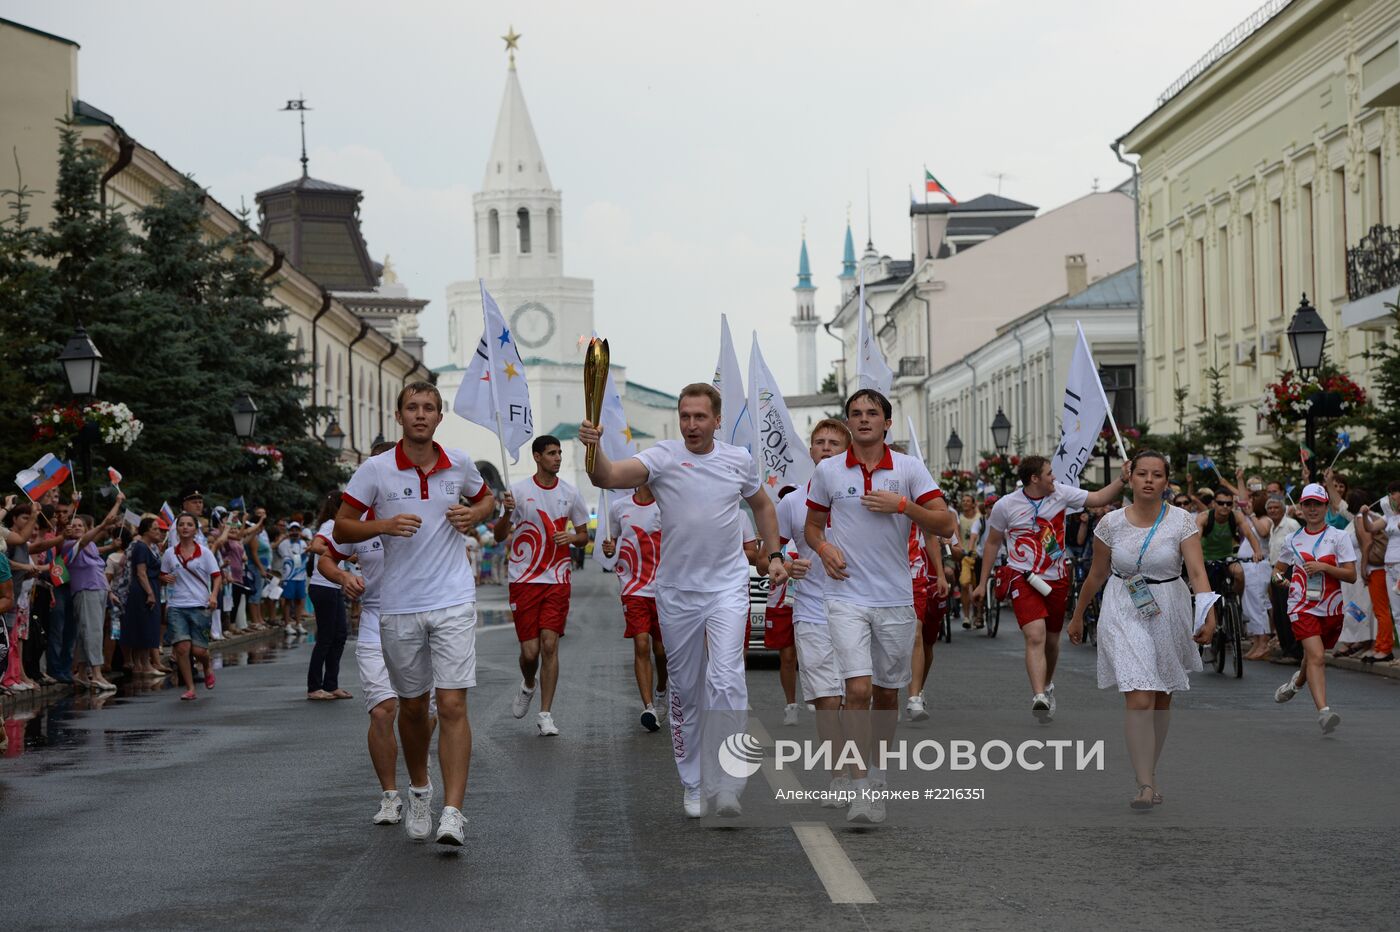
[913,367]
[1373,264]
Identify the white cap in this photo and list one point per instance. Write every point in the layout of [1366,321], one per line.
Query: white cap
[1313,492]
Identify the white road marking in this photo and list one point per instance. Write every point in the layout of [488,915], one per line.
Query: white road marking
[842,881]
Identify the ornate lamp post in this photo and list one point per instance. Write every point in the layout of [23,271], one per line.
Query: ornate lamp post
[245,417]
[82,363]
[1001,439]
[334,436]
[1307,338]
[954,449]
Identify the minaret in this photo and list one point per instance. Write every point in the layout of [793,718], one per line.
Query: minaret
[847,278]
[806,324]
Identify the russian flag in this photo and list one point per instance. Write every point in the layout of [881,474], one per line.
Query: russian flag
[167,516]
[49,473]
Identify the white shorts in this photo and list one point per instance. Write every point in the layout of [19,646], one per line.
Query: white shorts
[374,676]
[873,641]
[430,650]
[816,662]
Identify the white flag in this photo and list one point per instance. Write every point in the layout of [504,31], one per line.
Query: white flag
[1082,418]
[914,449]
[617,439]
[734,426]
[871,369]
[493,392]
[781,455]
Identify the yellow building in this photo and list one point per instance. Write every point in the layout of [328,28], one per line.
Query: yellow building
[359,362]
[1259,168]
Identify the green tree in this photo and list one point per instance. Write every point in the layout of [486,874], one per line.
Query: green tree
[829,384]
[1384,419]
[1218,426]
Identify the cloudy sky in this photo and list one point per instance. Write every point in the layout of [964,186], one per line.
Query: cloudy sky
[690,141]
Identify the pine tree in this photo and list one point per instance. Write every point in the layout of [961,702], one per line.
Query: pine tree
[1219,426]
[1384,420]
[829,384]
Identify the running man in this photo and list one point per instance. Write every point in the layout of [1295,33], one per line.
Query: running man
[859,512]
[635,526]
[702,596]
[931,587]
[1321,559]
[538,511]
[428,599]
[1036,578]
[822,683]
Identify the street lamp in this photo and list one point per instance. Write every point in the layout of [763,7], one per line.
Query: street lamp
[1001,439]
[378,439]
[1307,338]
[81,363]
[1110,394]
[335,437]
[954,449]
[245,417]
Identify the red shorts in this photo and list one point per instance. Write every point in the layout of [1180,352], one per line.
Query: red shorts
[639,611]
[1030,605]
[537,607]
[920,598]
[1328,627]
[777,627]
[931,618]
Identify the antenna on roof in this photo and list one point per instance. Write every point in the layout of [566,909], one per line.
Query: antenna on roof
[1000,177]
[300,106]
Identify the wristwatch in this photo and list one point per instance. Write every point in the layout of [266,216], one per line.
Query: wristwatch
[776,555]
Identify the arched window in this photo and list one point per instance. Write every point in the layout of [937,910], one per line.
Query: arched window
[493,231]
[522,223]
[552,227]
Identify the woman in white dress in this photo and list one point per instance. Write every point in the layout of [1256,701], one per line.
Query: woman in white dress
[1146,652]
[1258,572]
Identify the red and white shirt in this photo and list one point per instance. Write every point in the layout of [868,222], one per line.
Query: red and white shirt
[808,604]
[918,556]
[1034,529]
[637,530]
[193,576]
[540,513]
[876,546]
[702,528]
[326,533]
[429,570]
[369,556]
[1329,546]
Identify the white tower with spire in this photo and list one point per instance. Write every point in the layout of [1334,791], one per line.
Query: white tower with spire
[805,323]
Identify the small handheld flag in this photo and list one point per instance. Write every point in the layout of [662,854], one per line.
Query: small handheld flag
[1343,444]
[58,570]
[114,477]
[47,474]
[132,518]
[166,519]
[1206,462]
[237,504]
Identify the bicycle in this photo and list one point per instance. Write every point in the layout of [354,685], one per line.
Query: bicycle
[991,605]
[1229,630]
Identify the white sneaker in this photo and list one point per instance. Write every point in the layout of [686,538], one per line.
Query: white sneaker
[662,705]
[649,720]
[860,811]
[420,819]
[877,806]
[521,705]
[790,714]
[1290,689]
[915,708]
[390,809]
[1040,707]
[1050,694]
[693,802]
[301,629]
[546,725]
[727,804]
[1328,720]
[451,826]
[840,786]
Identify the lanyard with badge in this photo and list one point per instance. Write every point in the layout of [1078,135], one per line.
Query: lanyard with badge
[1048,540]
[1314,587]
[1139,589]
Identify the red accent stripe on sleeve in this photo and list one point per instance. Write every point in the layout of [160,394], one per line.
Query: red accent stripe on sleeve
[480,495]
[336,553]
[353,502]
[928,496]
[813,505]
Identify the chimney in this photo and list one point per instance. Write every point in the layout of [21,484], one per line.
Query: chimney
[1076,275]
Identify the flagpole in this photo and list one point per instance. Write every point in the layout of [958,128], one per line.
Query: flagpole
[491,382]
[1122,453]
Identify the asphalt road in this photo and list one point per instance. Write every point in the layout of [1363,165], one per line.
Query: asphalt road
[251,809]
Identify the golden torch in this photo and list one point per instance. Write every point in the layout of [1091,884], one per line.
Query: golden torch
[595,381]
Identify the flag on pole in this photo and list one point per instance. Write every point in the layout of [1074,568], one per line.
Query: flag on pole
[871,369]
[734,426]
[1082,416]
[237,504]
[914,449]
[114,477]
[494,392]
[781,455]
[166,518]
[132,518]
[58,569]
[617,439]
[933,186]
[47,474]
[1205,462]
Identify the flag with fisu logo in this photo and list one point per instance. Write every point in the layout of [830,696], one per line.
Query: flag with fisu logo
[780,454]
[494,392]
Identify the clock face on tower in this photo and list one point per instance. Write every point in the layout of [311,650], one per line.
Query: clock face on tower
[532,324]
[452,330]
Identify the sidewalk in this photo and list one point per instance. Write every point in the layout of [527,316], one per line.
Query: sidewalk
[1390,669]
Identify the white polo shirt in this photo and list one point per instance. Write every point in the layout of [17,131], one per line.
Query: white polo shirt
[1034,529]
[540,512]
[369,556]
[193,576]
[637,529]
[429,570]
[702,528]
[326,532]
[876,546]
[808,603]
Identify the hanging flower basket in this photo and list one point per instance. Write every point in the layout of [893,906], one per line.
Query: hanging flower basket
[1286,401]
[266,457]
[956,480]
[60,424]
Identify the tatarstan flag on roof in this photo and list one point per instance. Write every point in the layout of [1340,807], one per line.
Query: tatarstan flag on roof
[933,186]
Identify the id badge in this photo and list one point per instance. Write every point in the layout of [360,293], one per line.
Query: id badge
[1313,591]
[1143,600]
[1051,543]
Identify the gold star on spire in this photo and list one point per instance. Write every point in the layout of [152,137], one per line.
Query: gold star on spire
[512,43]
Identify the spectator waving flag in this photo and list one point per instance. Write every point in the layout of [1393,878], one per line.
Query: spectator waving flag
[734,426]
[781,455]
[44,476]
[494,392]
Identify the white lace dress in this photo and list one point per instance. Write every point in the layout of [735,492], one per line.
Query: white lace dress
[1136,653]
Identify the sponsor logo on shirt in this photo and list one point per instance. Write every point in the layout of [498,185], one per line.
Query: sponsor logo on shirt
[407,492]
[687,465]
[449,486]
[393,495]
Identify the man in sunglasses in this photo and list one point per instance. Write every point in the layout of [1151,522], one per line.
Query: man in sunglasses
[1223,527]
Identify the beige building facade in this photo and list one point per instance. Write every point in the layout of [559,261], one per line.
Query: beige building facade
[1258,170]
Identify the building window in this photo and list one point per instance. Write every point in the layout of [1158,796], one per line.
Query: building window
[552,229]
[1276,220]
[1123,380]
[1159,302]
[1179,299]
[1309,242]
[1339,232]
[1375,189]
[1251,272]
[522,223]
[1200,260]
[493,231]
[1222,277]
